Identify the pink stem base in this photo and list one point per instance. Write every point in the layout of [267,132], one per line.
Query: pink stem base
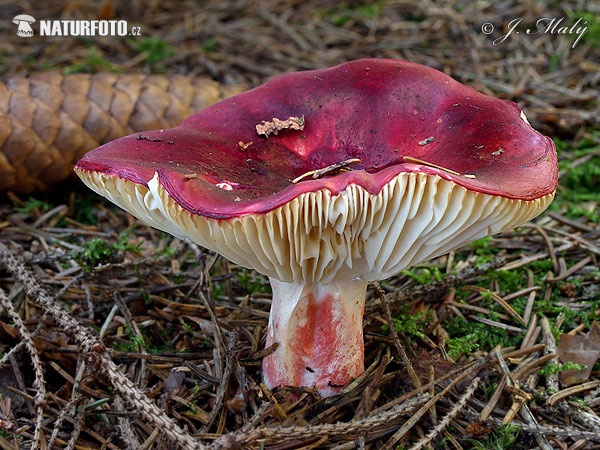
[319,330]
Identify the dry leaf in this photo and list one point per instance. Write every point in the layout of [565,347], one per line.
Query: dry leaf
[578,349]
[7,333]
[478,429]
[422,365]
[174,383]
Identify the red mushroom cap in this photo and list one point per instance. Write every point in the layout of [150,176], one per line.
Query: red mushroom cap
[394,116]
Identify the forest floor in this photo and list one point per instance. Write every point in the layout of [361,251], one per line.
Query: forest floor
[481,330]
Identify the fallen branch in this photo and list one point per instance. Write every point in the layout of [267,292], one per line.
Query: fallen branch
[94,351]
[39,383]
[415,417]
[354,427]
[448,417]
[542,431]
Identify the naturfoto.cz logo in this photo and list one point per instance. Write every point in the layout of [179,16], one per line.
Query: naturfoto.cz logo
[75,27]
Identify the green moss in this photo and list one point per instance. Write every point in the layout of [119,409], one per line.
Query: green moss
[588,19]
[504,437]
[486,336]
[99,251]
[345,13]
[578,184]
[251,282]
[31,204]
[460,345]
[409,324]
[92,63]
[490,388]
[210,45]
[467,335]
[484,252]
[513,280]
[186,325]
[424,275]
[156,51]
[135,342]
[166,251]
[554,368]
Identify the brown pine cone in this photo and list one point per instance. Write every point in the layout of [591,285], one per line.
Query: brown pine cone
[48,120]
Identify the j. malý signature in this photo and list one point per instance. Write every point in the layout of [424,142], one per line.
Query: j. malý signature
[547,25]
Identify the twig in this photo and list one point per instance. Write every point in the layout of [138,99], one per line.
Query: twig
[87,340]
[274,126]
[583,242]
[448,417]
[39,383]
[135,330]
[524,409]
[573,269]
[503,304]
[543,431]
[571,223]
[286,29]
[224,383]
[148,408]
[493,323]
[549,244]
[535,257]
[353,427]
[415,417]
[318,173]
[74,401]
[399,348]
[79,421]
[487,410]
[108,320]
[427,163]
[6,357]
[150,441]
[561,395]
[550,349]
[124,426]
[526,369]
[5,445]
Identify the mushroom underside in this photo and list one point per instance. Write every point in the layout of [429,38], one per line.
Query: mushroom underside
[319,237]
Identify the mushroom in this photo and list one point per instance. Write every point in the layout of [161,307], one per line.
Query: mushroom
[321,238]
[24,21]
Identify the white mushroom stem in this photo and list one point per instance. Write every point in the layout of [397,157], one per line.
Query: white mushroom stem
[319,332]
